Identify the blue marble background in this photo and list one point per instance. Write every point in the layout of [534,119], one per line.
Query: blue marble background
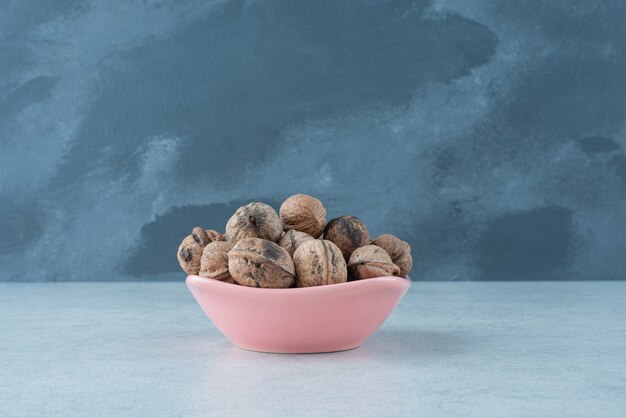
[489,134]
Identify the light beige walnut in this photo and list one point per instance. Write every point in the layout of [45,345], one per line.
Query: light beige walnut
[348,233]
[303,213]
[214,261]
[319,262]
[371,261]
[257,262]
[254,220]
[292,239]
[398,250]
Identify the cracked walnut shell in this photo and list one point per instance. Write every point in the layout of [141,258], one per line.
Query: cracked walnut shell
[258,262]
[319,262]
[254,220]
[303,213]
[371,261]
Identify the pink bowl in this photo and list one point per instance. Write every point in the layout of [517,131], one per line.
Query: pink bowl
[299,320]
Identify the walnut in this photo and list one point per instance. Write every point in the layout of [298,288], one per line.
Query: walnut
[348,233]
[190,250]
[189,255]
[215,236]
[292,239]
[206,236]
[214,261]
[398,250]
[319,262]
[255,220]
[371,261]
[258,262]
[303,213]
[200,236]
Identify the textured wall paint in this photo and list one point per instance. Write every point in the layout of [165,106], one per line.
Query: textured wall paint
[489,134]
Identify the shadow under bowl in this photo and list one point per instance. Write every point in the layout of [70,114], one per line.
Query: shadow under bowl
[299,320]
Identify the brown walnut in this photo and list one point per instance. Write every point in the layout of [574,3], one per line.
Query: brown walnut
[303,213]
[215,236]
[200,236]
[348,233]
[398,250]
[206,236]
[371,261]
[258,262]
[319,262]
[292,239]
[214,261]
[254,220]
[189,255]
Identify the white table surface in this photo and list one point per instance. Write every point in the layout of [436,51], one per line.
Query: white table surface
[452,349]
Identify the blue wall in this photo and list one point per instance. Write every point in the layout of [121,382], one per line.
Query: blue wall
[489,134]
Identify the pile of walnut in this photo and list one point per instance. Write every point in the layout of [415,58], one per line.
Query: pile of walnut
[297,248]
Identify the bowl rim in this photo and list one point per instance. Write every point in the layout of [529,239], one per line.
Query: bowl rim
[208,283]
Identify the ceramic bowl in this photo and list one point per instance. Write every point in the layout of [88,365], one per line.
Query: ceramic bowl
[299,320]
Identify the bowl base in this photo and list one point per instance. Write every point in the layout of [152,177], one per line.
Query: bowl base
[295,352]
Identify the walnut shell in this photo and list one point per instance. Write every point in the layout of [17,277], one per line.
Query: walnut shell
[214,235]
[398,250]
[254,220]
[200,236]
[292,239]
[258,262]
[319,262]
[348,233]
[206,236]
[303,213]
[371,261]
[189,255]
[214,261]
